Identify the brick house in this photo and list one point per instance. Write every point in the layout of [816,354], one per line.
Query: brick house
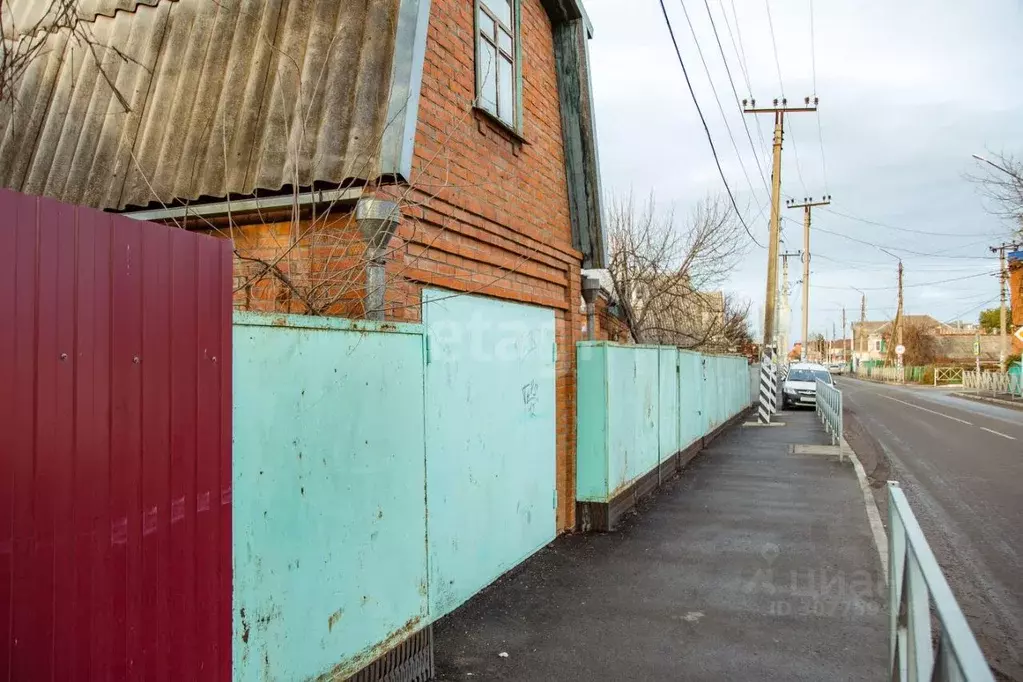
[269,122]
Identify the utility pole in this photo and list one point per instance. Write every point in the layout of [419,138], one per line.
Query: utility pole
[785,315]
[845,355]
[897,329]
[807,205]
[779,110]
[1003,276]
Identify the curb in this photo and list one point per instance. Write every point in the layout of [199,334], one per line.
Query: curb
[994,401]
[873,513]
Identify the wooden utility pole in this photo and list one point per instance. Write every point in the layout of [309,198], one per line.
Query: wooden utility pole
[807,205]
[779,110]
[1003,278]
[897,328]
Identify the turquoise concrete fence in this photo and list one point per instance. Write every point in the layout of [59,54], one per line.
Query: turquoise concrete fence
[639,405]
[330,562]
[490,440]
[383,474]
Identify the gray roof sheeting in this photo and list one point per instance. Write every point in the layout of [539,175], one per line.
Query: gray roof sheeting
[223,96]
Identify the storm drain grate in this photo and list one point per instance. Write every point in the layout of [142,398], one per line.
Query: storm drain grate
[410,661]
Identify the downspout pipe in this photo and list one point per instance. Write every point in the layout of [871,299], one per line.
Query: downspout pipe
[591,287]
[377,220]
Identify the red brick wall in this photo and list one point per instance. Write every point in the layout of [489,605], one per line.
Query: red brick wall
[490,212]
[484,212]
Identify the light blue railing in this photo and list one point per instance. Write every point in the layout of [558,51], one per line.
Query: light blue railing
[829,407]
[915,582]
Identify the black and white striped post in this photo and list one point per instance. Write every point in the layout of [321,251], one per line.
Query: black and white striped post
[768,388]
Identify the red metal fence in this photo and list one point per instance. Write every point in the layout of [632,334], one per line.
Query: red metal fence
[115,447]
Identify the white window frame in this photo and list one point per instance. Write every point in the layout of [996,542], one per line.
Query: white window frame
[514,122]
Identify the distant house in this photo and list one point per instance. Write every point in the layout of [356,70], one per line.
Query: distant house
[952,342]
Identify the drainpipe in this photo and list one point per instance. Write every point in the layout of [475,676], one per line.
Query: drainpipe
[591,287]
[377,220]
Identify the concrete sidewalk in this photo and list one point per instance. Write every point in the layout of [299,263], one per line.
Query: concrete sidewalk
[755,564]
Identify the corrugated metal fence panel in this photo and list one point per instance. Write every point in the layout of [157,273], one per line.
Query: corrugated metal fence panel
[330,516]
[632,415]
[491,490]
[690,394]
[592,401]
[667,402]
[115,490]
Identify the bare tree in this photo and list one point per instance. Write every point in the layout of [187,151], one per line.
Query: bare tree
[1001,182]
[663,276]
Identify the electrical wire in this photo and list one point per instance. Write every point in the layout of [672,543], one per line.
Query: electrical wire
[724,118]
[710,140]
[740,54]
[774,46]
[958,316]
[820,132]
[893,227]
[735,93]
[896,248]
[781,83]
[916,284]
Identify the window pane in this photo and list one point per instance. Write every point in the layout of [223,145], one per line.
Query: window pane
[506,84]
[501,9]
[486,25]
[488,76]
[505,41]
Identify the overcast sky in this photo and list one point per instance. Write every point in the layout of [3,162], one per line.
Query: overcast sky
[908,91]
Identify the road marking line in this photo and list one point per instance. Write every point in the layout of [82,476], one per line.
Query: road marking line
[984,428]
[940,414]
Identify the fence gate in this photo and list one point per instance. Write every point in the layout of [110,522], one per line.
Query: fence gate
[115,447]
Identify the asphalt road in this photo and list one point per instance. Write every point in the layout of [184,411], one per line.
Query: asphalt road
[960,463]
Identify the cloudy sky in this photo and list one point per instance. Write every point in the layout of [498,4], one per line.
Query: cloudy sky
[908,91]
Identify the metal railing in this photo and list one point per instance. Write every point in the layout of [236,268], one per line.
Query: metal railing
[915,583]
[995,383]
[829,407]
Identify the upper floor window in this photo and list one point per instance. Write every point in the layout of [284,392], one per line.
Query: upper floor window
[496,41]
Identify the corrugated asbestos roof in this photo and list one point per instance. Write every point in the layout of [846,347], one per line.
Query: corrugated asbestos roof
[223,96]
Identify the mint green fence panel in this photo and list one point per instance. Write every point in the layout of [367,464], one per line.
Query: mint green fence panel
[592,400]
[618,416]
[667,402]
[711,389]
[330,561]
[632,417]
[490,440]
[690,397]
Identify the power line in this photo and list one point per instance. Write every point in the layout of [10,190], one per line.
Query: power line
[813,63]
[781,83]
[918,284]
[735,93]
[893,227]
[717,162]
[724,118]
[896,248]
[740,54]
[957,316]
[774,45]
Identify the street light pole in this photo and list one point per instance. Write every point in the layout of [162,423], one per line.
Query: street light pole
[992,163]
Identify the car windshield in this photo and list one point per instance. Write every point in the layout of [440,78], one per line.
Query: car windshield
[810,375]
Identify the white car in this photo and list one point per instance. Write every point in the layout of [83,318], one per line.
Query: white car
[800,387]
